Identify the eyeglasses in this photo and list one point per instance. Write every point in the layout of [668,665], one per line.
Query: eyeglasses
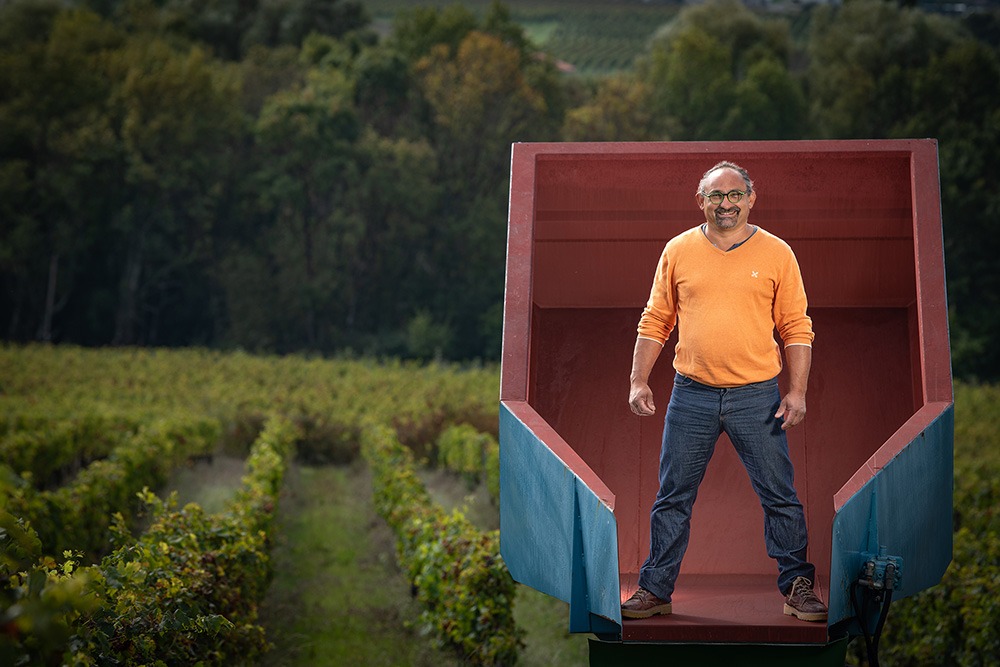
[734,196]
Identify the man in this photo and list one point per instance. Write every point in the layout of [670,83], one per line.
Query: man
[727,285]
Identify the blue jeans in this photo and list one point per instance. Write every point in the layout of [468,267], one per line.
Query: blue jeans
[696,415]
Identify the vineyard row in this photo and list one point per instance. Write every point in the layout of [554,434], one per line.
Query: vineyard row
[185,591]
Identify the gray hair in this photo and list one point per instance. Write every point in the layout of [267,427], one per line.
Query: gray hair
[725,164]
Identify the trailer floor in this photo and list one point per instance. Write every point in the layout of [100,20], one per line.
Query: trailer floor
[724,609]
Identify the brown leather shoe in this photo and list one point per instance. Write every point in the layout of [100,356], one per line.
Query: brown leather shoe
[803,603]
[644,604]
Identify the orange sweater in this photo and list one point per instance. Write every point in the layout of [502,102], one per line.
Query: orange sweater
[726,306]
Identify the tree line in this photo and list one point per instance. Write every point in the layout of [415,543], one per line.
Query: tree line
[280,177]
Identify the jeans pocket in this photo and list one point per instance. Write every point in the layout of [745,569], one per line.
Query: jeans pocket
[682,380]
[765,387]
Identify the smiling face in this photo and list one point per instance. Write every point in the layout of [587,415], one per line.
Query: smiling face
[726,215]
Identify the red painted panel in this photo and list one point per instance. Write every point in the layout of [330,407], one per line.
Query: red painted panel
[933,310]
[581,386]
[588,274]
[517,294]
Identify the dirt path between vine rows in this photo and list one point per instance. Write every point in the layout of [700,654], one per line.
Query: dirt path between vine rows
[338,596]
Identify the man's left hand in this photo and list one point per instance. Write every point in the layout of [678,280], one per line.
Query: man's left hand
[792,410]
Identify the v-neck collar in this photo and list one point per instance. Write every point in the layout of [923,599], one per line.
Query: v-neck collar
[704,232]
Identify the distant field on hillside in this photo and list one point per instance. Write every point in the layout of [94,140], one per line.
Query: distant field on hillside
[594,37]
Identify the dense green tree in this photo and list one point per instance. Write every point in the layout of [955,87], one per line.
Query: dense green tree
[479,87]
[177,125]
[268,173]
[25,23]
[768,104]
[417,30]
[481,102]
[394,268]
[863,56]
[499,23]
[220,24]
[263,72]
[112,157]
[984,25]
[618,111]
[230,28]
[306,184]
[289,22]
[883,71]
[385,92]
[719,71]
[958,96]
[55,144]
[691,76]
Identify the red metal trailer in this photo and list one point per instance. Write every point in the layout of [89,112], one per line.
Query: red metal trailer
[873,459]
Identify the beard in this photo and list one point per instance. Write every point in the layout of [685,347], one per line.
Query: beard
[727,221]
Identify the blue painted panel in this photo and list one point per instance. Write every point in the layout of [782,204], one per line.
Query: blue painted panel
[907,508]
[555,534]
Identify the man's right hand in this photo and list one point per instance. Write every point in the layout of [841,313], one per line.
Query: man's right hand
[640,399]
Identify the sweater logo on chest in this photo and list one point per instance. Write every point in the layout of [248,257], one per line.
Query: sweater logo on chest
[753,274]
